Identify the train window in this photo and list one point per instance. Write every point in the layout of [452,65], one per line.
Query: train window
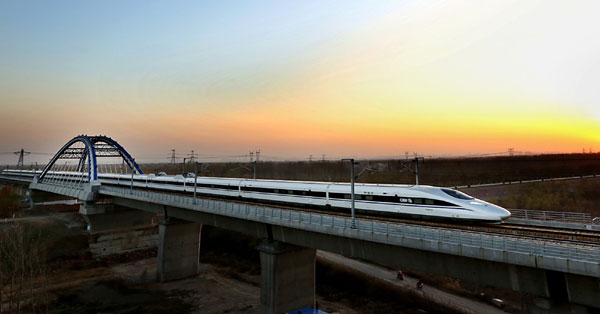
[428,202]
[347,196]
[443,203]
[457,194]
[417,201]
[336,195]
[386,199]
[313,193]
[369,197]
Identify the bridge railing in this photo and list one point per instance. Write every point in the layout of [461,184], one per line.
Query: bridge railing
[531,246]
[566,217]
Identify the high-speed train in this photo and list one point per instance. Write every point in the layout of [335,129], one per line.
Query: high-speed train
[391,200]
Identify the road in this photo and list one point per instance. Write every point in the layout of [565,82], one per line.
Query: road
[458,303]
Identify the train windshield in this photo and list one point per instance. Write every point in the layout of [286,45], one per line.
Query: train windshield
[457,194]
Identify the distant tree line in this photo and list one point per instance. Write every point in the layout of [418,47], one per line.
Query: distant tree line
[440,171]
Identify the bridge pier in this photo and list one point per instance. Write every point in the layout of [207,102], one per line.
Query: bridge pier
[541,305]
[582,289]
[178,249]
[287,277]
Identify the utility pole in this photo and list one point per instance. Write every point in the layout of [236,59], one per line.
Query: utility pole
[131,187]
[21,154]
[183,166]
[172,156]
[352,163]
[254,170]
[416,171]
[195,180]
[132,172]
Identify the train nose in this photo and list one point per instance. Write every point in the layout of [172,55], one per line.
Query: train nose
[502,213]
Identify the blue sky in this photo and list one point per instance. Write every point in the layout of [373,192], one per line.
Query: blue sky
[302,77]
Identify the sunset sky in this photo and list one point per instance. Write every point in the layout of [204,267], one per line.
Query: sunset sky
[295,78]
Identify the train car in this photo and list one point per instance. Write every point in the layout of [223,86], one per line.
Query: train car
[390,200]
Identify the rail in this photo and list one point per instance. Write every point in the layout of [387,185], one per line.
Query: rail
[295,219]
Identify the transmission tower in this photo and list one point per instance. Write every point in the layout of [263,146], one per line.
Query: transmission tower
[251,156]
[192,158]
[257,153]
[172,156]
[21,153]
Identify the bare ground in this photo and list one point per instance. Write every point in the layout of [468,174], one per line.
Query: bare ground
[114,286]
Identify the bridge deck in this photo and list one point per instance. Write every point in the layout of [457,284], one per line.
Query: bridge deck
[568,257]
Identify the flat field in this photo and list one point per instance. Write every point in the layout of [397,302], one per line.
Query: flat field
[438,171]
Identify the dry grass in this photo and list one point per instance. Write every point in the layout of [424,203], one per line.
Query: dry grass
[10,205]
[568,196]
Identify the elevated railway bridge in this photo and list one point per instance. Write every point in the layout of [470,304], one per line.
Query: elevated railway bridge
[560,267]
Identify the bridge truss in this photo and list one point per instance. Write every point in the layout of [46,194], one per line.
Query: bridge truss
[79,161]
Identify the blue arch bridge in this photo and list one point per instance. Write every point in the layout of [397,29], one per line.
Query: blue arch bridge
[563,276]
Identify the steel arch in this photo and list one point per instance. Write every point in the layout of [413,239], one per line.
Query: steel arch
[90,143]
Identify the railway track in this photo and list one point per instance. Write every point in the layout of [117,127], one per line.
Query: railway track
[547,233]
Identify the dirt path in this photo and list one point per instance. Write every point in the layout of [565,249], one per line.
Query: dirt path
[409,284]
[214,290]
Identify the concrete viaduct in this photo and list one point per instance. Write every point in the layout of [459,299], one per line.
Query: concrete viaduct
[564,276]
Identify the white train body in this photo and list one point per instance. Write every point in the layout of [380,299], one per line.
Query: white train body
[421,202]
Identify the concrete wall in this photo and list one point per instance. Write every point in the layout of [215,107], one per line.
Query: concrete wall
[101,218]
[122,241]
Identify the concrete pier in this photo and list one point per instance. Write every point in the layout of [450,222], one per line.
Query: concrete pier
[287,277]
[178,249]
